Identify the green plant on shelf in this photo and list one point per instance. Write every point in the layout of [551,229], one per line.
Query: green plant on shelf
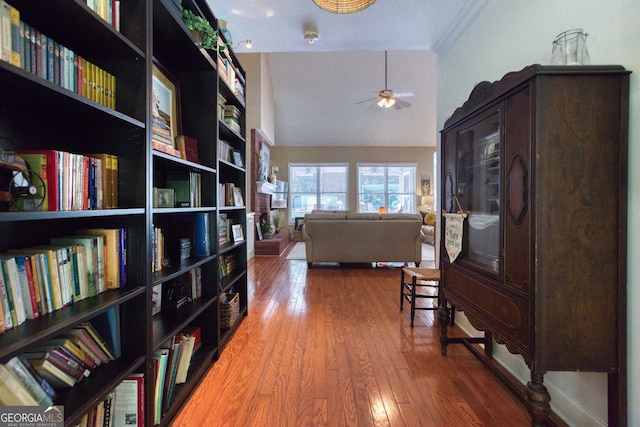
[204,33]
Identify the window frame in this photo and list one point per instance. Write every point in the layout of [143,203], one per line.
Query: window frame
[386,194]
[296,213]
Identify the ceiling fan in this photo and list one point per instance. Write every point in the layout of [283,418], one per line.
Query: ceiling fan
[387,98]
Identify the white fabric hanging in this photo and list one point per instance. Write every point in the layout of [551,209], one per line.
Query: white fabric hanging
[453,234]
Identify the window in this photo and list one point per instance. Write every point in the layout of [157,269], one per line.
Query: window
[317,186]
[392,186]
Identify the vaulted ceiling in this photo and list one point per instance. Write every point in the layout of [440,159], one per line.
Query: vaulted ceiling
[317,86]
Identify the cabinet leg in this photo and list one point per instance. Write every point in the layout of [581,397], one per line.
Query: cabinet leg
[444,317]
[537,399]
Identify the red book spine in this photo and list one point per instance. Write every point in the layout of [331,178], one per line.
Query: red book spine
[32,290]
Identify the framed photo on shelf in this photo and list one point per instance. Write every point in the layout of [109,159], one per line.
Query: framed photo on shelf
[237,158]
[236,229]
[165,115]
[259,231]
[237,197]
[163,197]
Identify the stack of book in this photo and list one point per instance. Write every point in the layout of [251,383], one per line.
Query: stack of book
[232,118]
[33,377]
[224,229]
[29,49]
[222,101]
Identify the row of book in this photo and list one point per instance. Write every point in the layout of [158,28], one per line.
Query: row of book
[72,181]
[29,49]
[33,377]
[36,281]
[230,194]
[171,363]
[109,10]
[226,265]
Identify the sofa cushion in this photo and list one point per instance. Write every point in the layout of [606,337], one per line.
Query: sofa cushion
[363,215]
[401,216]
[325,216]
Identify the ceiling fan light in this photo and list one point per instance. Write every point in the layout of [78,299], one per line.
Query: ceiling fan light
[343,6]
[386,102]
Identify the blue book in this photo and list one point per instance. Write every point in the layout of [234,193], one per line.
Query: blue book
[108,326]
[123,258]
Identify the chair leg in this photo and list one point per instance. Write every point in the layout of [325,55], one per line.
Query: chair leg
[401,289]
[413,299]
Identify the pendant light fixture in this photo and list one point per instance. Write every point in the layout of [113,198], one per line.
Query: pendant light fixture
[343,6]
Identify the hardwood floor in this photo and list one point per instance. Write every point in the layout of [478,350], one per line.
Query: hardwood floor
[328,346]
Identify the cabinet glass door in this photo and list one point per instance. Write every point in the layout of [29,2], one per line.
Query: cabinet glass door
[478,190]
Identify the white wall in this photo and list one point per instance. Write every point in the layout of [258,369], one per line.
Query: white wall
[507,36]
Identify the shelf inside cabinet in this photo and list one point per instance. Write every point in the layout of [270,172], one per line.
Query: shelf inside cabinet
[170,322]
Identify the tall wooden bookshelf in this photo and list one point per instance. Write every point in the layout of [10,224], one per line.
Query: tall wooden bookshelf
[37,114]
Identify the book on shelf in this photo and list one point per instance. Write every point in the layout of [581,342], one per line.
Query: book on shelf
[12,392]
[54,375]
[97,337]
[44,384]
[129,402]
[111,251]
[185,358]
[107,325]
[188,148]
[92,346]
[109,180]
[175,347]
[196,333]
[164,147]
[25,276]
[195,274]
[160,359]
[14,290]
[201,224]
[89,276]
[56,362]
[39,264]
[26,379]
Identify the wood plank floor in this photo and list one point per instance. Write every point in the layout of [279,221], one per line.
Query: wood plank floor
[328,346]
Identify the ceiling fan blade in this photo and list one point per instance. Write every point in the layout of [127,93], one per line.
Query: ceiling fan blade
[402,103]
[404,95]
[367,100]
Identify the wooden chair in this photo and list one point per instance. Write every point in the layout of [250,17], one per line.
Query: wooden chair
[412,278]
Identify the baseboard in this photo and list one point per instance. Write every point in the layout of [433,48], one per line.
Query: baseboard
[565,409]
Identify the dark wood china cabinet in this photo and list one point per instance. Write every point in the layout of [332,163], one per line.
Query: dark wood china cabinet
[538,162]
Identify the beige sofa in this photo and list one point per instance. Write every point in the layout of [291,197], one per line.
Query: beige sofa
[362,237]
